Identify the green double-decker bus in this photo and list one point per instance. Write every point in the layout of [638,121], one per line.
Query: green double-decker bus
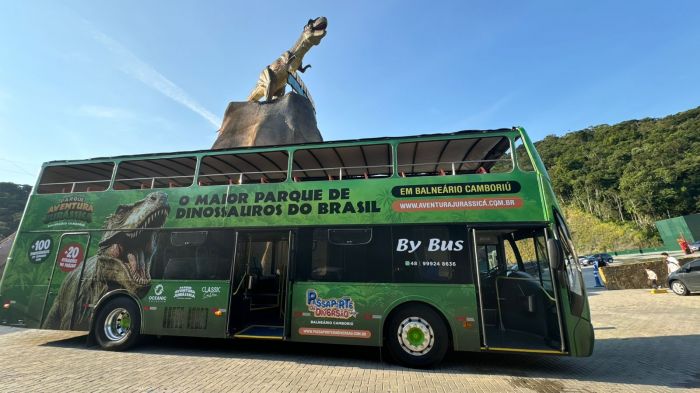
[421,244]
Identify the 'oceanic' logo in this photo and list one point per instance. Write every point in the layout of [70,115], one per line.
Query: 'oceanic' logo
[339,308]
[158,294]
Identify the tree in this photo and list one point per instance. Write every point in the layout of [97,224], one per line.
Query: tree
[638,170]
[13,197]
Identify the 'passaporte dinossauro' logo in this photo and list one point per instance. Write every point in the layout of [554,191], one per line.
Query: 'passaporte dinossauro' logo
[71,210]
[339,308]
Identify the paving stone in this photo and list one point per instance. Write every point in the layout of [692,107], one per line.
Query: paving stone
[644,343]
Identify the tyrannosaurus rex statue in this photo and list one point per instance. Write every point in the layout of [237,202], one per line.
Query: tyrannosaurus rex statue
[273,78]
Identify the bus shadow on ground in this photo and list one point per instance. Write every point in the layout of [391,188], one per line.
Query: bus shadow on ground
[73,342]
[669,361]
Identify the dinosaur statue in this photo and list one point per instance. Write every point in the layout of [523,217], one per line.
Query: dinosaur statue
[273,79]
[122,261]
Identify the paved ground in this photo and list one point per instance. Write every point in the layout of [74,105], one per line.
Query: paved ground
[645,343]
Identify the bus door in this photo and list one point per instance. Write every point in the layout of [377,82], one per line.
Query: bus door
[519,305]
[260,284]
[65,282]
[578,320]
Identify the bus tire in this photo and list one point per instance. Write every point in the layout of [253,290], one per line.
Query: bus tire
[118,324]
[417,336]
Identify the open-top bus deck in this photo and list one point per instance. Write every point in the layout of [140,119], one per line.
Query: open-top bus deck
[421,244]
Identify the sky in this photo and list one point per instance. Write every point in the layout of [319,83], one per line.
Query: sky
[83,79]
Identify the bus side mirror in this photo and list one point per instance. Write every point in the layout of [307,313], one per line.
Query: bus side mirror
[554,251]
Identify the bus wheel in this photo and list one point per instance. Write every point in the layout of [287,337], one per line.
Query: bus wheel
[118,324]
[417,336]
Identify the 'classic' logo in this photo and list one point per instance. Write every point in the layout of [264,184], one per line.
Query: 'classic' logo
[210,292]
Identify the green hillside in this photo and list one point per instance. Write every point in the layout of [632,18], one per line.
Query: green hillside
[592,235]
[13,197]
[637,171]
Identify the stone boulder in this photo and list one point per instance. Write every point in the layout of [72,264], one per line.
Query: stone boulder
[290,119]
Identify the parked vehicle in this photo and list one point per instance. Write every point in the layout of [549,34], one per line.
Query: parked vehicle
[590,260]
[686,279]
[583,260]
[603,259]
[694,246]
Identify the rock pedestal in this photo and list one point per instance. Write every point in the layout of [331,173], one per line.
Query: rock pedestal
[290,119]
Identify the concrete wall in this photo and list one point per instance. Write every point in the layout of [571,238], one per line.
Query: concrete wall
[633,275]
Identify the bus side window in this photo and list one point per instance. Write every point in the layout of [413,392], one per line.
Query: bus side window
[344,255]
[457,156]
[527,253]
[487,256]
[574,276]
[180,256]
[511,259]
[524,162]
[155,173]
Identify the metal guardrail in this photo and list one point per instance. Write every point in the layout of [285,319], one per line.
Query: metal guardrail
[339,170]
[74,185]
[240,175]
[452,165]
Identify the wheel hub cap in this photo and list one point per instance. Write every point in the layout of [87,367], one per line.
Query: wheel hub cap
[416,336]
[118,325]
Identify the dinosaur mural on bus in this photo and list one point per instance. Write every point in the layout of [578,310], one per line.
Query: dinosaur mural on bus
[122,261]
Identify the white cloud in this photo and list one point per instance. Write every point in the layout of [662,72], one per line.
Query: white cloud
[142,71]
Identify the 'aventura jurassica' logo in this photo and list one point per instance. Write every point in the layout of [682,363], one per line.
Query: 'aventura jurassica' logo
[71,210]
[340,308]
[184,292]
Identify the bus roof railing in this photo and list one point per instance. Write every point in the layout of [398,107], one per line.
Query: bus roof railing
[290,145]
[363,171]
[237,177]
[427,155]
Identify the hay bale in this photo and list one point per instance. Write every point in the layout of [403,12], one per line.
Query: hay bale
[633,275]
